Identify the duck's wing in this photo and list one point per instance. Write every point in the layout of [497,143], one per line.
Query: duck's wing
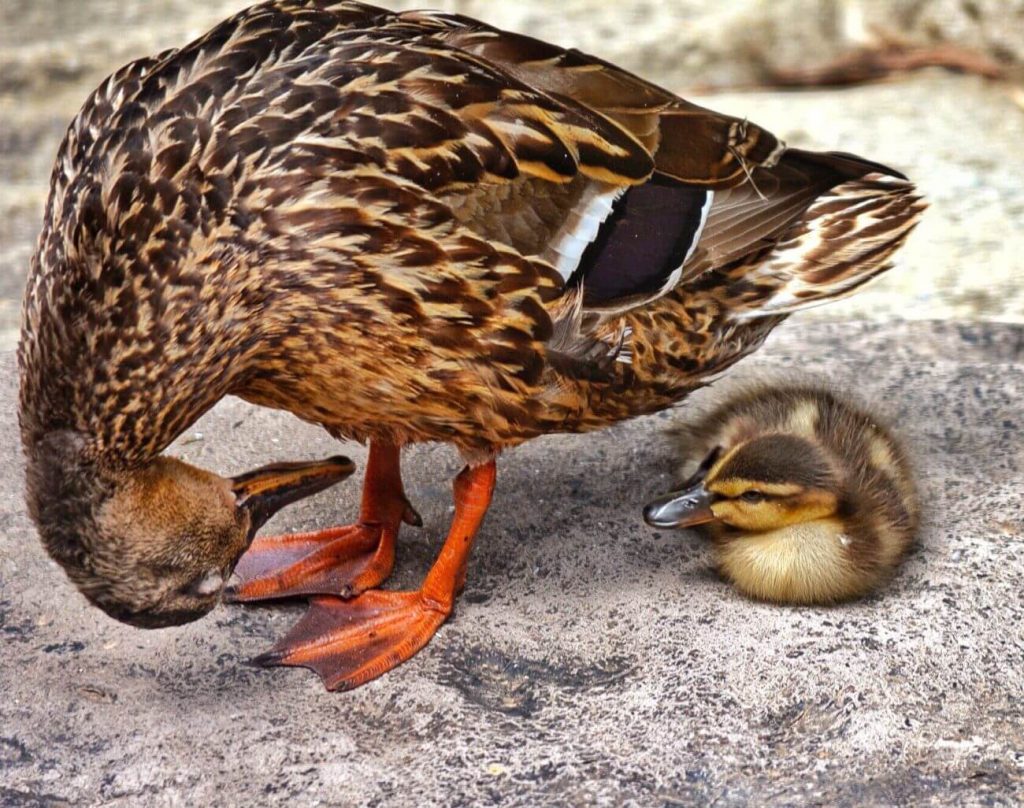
[731,226]
[689,143]
[723,189]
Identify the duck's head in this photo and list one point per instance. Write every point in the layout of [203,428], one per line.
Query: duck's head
[153,545]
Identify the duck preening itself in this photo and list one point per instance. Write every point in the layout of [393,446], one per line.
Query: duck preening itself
[403,227]
[806,497]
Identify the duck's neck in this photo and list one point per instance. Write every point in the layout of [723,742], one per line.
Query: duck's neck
[127,375]
[63,491]
[127,415]
[93,411]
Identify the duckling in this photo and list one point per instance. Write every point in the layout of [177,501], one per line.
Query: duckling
[806,497]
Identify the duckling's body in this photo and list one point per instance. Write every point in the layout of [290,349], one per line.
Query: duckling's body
[403,227]
[811,499]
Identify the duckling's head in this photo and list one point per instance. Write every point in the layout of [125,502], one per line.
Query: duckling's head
[153,546]
[764,484]
[807,499]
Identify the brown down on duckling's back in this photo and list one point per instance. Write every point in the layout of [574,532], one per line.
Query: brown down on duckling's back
[806,497]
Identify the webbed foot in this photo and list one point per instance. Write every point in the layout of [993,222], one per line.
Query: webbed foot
[337,561]
[350,642]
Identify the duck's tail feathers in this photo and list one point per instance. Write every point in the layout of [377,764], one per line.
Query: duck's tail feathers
[844,239]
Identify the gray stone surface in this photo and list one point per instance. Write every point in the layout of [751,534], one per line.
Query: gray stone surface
[592,660]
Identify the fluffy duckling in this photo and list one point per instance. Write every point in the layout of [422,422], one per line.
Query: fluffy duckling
[807,498]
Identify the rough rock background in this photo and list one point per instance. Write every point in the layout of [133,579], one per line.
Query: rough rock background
[592,660]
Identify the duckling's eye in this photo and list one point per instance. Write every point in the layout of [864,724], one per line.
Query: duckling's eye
[753,497]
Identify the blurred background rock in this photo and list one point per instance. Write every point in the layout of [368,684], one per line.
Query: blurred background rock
[958,135]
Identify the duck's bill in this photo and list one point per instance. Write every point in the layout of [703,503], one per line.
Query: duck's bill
[685,508]
[264,491]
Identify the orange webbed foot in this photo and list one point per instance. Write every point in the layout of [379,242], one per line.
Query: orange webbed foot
[338,561]
[348,643]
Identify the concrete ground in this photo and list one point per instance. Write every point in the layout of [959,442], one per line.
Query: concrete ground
[592,660]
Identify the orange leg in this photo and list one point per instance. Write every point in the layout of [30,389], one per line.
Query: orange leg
[340,560]
[350,642]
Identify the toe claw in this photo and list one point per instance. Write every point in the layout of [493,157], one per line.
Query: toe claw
[268,659]
[411,516]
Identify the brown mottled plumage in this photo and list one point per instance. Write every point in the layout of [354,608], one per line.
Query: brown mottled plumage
[806,497]
[404,227]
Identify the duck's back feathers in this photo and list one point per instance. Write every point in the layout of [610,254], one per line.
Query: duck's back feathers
[502,223]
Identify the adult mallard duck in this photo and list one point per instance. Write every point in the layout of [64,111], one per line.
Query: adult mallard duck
[806,497]
[403,227]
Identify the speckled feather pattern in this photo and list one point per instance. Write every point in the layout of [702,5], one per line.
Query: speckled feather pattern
[339,211]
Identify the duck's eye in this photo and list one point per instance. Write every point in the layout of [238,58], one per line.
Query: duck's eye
[753,497]
[210,583]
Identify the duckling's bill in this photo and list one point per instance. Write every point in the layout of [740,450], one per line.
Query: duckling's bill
[264,491]
[687,507]
[690,505]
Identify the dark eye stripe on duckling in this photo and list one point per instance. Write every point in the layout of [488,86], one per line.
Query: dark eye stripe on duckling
[642,245]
